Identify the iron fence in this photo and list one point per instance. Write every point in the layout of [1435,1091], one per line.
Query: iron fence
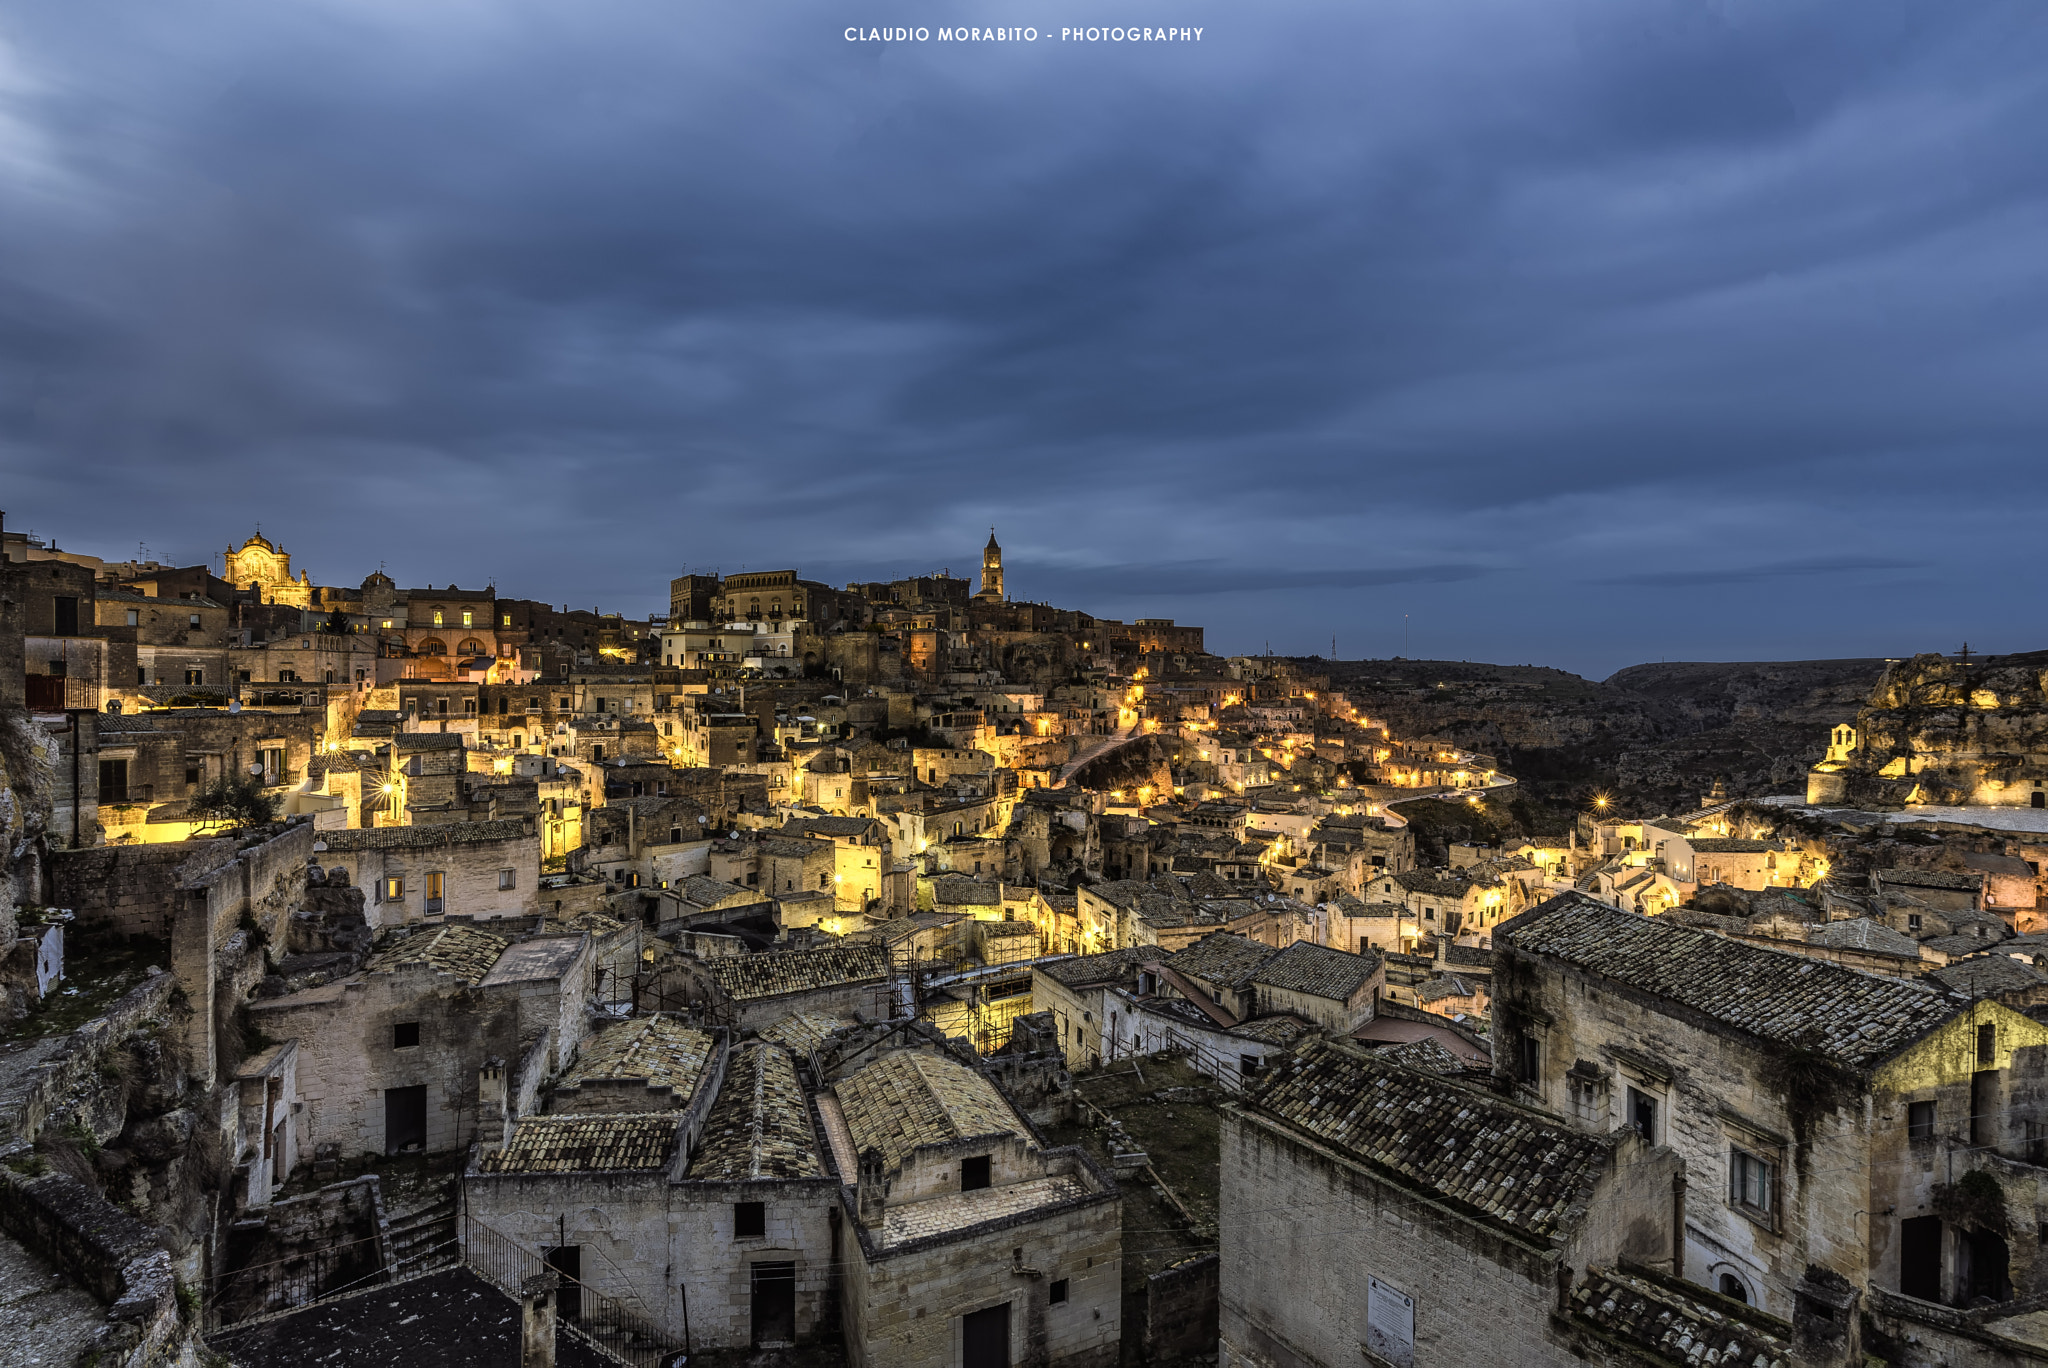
[294,1281]
[604,1323]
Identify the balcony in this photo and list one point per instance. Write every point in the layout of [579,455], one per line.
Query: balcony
[112,794]
[62,693]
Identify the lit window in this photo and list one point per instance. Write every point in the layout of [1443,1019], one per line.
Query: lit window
[437,617]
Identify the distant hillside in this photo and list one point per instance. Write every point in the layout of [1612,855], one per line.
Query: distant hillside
[1653,736]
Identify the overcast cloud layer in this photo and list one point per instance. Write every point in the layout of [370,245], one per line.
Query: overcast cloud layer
[1579,333]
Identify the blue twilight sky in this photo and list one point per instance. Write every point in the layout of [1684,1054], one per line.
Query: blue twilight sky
[1582,333]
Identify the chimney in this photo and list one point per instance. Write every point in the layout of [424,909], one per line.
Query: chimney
[490,1103]
[537,1320]
[874,1188]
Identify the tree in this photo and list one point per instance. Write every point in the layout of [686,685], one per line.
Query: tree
[235,802]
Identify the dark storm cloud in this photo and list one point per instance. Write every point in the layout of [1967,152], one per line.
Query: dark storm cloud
[1751,574]
[1540,311]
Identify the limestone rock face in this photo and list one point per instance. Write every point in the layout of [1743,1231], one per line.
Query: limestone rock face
[1949,731]
[27,790]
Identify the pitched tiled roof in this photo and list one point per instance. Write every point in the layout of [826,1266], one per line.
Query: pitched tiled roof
[1221,957]
[1860,933]
[1983,975]
[1854,1018]
[1429,1055]
[1280,1030]
[1443,986]
[1717,845]
[1674,1326]
[1305,967]
[704,891]
[760,1126]
[659,1050]
[1929,878]
[803,1031]
[573,1144]
[1436,883]
[746,977]
[438,834]
[1478,1151]
[1112,966]
[464,951]
[910,1098]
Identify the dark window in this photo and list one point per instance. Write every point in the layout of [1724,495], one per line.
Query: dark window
[1984,1107]
[1642,1114]
[974,1173]
[749,1220]
[1528,1057]
[1987,1038]
[405,1035]
[1731,1286]
[1059,1291]
[191,774]
[66,615]
[1920,1121]
[113,781]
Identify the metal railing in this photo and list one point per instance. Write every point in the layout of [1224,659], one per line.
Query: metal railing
[62,693]
[295,1281]
[606,1324]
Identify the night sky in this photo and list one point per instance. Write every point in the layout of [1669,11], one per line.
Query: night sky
[1578,333]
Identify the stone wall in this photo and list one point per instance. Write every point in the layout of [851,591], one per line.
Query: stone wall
[1180,1309]
[905,1305]
[1301,1234]
[133,889]
[472,858]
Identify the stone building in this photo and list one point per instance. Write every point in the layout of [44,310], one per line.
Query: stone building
[480,870]
[1367,1206]
[1796,1091]
[837,980]
[389,1058]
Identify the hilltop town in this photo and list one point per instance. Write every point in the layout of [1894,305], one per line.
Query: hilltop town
[906,973]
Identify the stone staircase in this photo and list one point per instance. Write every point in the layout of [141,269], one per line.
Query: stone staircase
[423,1240]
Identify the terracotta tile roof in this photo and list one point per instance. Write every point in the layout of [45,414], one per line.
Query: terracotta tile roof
[1221,957]
[576,1144]
[1860,933]
[1433,882]
[1731,845]
[1427,1055]
[1855,1018]
[1482,1152]
[658,1050]
[1112,966]
[452,948]
[1279,1029]
[704,891]
[1675,1326]
[760,1126]
[1984,975]
[803,1031]
[1928,878]
[909,1098]
[747,977]
[1305,967]
[440,834]
[942,1215]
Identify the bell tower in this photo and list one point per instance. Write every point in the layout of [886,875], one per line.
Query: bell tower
[991,571]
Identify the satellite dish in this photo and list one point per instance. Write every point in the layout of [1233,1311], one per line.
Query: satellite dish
[255,769]
[703,821]
[733,835]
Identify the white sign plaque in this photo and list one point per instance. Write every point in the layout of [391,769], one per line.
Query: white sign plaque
[1389,1324]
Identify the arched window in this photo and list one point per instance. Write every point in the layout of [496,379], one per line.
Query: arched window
[470,647]
[433,646]
[1731,1286]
